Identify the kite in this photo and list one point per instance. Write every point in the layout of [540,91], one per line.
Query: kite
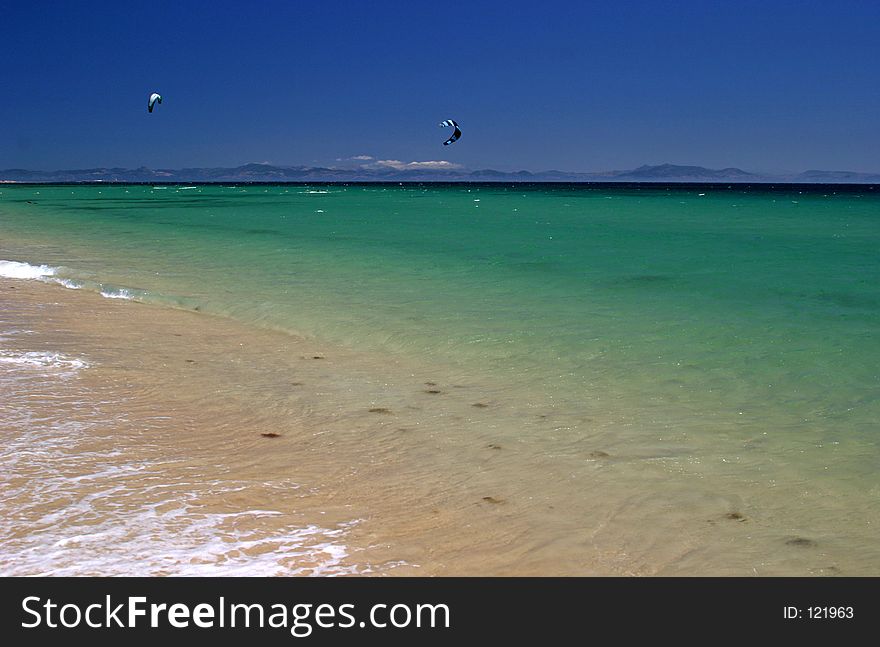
[456,133]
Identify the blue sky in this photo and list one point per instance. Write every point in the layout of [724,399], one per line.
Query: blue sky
[577,86]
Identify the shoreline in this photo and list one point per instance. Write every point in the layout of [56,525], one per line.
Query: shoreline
[358,469]
[250,451]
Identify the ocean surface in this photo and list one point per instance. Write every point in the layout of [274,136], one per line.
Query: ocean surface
[693,371]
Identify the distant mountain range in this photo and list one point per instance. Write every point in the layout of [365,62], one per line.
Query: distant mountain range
[268,173]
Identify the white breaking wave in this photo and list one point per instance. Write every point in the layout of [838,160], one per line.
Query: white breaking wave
[69,283]
[118,293]
[49,274]
[16,270]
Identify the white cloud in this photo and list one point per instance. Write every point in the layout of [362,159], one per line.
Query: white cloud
[363,158]
[431,164]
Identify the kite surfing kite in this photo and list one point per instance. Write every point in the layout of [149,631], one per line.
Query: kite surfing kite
[154,99]
[455,134]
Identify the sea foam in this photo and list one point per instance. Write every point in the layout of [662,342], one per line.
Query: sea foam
[49,274]
[42,359]
[118,293]
[16,270]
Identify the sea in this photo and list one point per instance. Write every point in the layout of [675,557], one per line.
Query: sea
[440,379]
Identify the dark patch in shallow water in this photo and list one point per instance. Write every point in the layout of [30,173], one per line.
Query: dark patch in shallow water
[537,266]
[95,208]
[735,516]
[599,454]
[270,232]
[847,300]
[493,500]
[641,280]
[480,405]
[380,410]
[801,542]
[433,391]
[270,434]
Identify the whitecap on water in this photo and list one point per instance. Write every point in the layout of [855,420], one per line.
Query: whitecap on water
[118,293]
[17,270]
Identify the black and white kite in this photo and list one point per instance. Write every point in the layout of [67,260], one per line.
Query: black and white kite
[154,99]
[456,133]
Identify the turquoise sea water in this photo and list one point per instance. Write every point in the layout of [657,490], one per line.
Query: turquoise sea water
[710,321]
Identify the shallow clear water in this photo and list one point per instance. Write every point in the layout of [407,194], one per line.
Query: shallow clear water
[734,329]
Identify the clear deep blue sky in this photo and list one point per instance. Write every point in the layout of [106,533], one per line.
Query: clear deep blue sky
[764,85]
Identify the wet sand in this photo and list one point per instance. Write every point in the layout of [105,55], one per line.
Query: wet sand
[147,440]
